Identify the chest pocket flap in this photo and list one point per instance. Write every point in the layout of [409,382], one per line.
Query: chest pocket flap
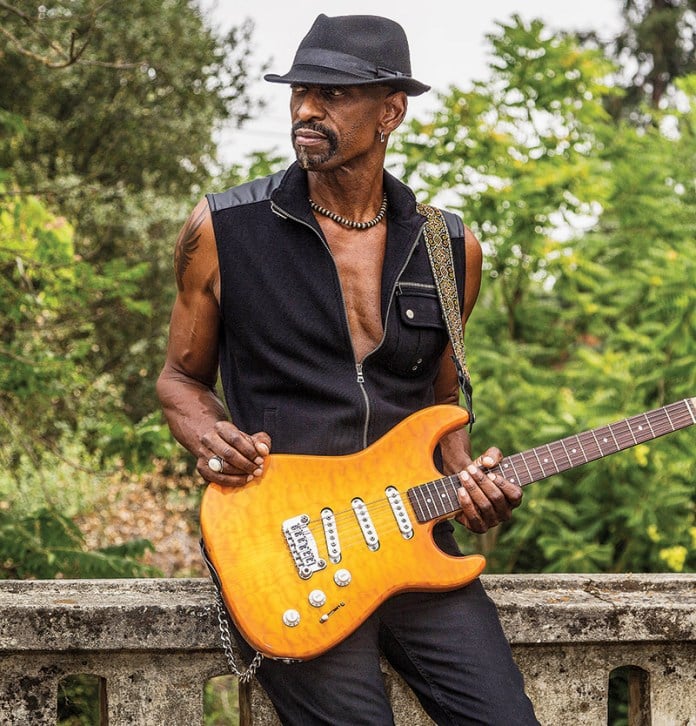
[419,305]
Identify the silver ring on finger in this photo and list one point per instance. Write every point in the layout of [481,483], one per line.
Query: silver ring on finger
[216,464]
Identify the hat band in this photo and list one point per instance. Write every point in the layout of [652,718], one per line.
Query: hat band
[337,61]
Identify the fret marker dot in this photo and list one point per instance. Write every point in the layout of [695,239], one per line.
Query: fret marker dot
[573,451]
[640,428]
[605,439]
[546,461]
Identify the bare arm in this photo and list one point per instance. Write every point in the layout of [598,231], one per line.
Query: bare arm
[485,501]
[186,385]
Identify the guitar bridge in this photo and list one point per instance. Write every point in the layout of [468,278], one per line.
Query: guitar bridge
[302,546]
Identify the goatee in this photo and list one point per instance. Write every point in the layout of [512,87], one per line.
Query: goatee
[308,160]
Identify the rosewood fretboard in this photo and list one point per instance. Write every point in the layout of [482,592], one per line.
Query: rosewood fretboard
[438,498]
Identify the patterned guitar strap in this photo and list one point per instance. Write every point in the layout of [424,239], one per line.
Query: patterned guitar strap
[439,245]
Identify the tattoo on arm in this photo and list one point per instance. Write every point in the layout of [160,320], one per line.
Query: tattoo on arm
[186,245]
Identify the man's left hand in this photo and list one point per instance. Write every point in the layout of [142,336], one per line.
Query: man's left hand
[486,498]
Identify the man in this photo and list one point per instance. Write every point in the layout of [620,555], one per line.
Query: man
[311,291]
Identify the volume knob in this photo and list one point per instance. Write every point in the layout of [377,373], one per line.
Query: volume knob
[291,618]
[317,598]
[342,577]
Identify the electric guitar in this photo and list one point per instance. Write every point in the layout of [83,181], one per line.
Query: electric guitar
[308,551]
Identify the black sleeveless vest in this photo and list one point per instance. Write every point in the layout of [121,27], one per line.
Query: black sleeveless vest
[287,363]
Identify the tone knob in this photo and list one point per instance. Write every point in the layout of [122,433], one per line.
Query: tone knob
[317,598]
[291,618]
[342,577]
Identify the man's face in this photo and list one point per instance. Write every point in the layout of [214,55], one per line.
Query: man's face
[332,125]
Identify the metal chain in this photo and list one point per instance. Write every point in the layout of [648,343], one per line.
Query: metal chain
[226,638]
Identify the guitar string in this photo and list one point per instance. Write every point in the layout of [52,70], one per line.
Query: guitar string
[350,534]
[383,521]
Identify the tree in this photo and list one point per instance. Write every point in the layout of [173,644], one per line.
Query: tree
[656,46]
[587,311]
[121,141]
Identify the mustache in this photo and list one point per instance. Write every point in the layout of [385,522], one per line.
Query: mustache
[314,126]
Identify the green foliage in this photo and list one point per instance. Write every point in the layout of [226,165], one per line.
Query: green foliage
[517,154]
[119,136]
[657,45]
[587,312]
[221,701]
[47,544]
[109,139]
[79,701]
[46,338]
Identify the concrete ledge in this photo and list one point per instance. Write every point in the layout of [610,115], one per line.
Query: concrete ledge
[155,642]
[179,613]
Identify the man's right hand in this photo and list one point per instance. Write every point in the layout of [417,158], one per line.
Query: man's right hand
[242,455]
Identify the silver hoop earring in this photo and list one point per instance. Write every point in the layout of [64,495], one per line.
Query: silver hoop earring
[381,137]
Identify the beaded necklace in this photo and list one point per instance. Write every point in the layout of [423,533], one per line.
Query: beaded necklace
[350,223]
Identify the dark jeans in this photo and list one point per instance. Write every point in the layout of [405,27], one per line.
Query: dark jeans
[449,647]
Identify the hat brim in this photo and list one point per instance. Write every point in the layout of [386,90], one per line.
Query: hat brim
[319,76]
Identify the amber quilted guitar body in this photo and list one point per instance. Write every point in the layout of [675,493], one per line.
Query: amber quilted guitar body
[308,551]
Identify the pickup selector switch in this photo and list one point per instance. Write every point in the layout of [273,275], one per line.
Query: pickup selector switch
[342,577]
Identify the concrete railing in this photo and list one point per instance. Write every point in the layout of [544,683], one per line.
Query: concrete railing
[154,644]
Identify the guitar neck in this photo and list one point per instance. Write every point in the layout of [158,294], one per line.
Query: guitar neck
[436,499]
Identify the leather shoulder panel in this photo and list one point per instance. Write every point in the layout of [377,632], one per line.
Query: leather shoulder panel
[254,191]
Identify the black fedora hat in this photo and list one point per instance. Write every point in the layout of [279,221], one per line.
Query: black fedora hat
[352,50]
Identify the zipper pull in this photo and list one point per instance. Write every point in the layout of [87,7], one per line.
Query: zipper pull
[361,378]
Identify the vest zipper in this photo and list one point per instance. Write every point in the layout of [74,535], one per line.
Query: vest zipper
[360,377]
[392,294]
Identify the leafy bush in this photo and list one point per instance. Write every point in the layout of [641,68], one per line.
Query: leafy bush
[47,544]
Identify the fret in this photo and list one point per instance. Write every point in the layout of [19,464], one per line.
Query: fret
[669,419]
[442,505]
[550,457]
[558,455]
[578,446]
[618,434]
[427,488]
[541,466]
[647,421]
[415,496]
[639,430]
[506,464]
[605,444]
[524,461]
[451,490]
[440,494]
[630,430]
[526,475]
[590,445]
[690,409]
[437,498]
[444,493]
[565,450]
[611,431]
[659,421]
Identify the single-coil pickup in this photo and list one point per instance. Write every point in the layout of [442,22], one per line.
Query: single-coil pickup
[399,511]
[365,523]
[333,546]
